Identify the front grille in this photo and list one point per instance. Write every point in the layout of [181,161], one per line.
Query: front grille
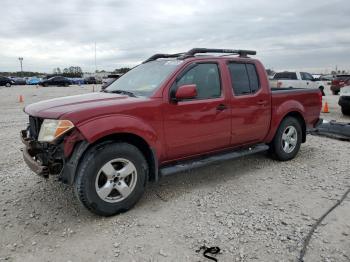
[34,127]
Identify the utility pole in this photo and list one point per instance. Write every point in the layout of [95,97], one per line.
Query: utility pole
[21,61]
[93,88]
[95,60]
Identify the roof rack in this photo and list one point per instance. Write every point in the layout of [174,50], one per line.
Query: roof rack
[192,52]
[242,53]
[156,56]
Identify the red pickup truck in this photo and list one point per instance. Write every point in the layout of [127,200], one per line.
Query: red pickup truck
[171,113]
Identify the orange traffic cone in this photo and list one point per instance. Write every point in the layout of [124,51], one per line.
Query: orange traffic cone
[20,99]
[325,108]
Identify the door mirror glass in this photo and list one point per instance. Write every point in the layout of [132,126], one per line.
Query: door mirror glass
[186,92]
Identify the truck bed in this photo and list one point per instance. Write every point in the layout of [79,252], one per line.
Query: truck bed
[304,100]
[292,89]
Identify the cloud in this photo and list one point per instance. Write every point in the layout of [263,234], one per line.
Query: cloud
[286,34]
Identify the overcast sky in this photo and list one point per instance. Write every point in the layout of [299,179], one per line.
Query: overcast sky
[288,34]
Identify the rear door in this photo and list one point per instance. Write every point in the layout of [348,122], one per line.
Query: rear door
[250,106]
[199,125]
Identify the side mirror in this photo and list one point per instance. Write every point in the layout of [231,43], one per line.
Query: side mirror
[186,92]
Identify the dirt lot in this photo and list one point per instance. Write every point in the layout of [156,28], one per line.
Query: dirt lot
[254,208]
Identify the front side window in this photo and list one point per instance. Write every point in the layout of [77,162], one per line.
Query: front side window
[206,78]
[244,78]
[306,76]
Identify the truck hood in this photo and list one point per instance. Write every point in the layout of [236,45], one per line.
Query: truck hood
[76,105]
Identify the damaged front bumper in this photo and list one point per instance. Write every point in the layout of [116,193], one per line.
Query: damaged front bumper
[42,158]
[60,159]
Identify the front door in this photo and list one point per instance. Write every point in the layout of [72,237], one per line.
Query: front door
[201,124]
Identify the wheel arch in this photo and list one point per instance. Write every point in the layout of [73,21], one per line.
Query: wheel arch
[139,142]
[69,171]
[301,120]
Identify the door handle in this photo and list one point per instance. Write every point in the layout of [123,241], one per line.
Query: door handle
[221,107]
[262,102]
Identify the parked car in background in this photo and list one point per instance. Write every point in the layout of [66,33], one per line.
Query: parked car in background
[33,80]
[77,81]
[109,80]
[338,82]
[91,80]
[5,81]
[325,81]
[56,81]
[165,116]
[296,79]
[19,80]
[327,77]
[344,100]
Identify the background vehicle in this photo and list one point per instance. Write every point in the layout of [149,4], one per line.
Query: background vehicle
[344,100]
[77,81]
[33,80]
[19,81]
[325,81]
[5,81]
[338,82]
[169,114]
[296,80]
[327,77]
[56,81]
[91,80]
[109,80]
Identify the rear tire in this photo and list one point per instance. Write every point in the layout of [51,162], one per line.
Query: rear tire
[103,187]
[345,111]
[287,140]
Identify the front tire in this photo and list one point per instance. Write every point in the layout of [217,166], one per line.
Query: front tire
[111,178]
[287,140]
[8,85]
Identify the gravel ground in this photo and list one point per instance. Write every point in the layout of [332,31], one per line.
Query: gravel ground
[253,208]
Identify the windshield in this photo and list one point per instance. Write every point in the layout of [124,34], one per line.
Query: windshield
[144,79]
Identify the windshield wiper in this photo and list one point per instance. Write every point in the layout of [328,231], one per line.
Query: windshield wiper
[123,92]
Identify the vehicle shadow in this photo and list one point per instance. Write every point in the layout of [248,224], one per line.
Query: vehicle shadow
[58,200]
[212,176]
[51,196]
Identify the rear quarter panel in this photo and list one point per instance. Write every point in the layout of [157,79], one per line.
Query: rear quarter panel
[305,102]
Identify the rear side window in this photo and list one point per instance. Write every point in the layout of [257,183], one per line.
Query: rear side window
[244,78]
[286,75]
